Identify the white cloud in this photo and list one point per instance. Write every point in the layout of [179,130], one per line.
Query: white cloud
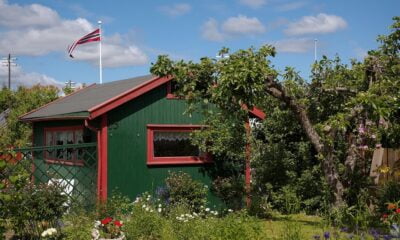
[54,34]
[243,25]
[291,6]
[21,78]
[30,15]
[253,3]
[293,45]
[322,23]
[176,9]
[231,27]
[211,32]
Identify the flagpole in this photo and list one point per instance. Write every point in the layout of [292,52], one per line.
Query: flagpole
[100,63]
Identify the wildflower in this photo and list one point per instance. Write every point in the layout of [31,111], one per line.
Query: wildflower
[118,223]
[97,224]
[230,210]
[398,210]
[106,220]
[159,205]
[327,235]
[159,210]
[373,136]
[144,206]
[207,209]
[147,209]
[378,145]
[384,216]
[216,213]
[391,206]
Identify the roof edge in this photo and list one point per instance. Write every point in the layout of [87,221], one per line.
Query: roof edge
[21,118]
[127,96]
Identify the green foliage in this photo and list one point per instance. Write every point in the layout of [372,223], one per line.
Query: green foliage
[78,225]
[388,193]
[292,231]
[19,102]
[182,189]
[117,206]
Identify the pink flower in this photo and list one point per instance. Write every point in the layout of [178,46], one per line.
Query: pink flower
[378,145]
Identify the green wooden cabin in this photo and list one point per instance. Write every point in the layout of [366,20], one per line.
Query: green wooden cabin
[140,131]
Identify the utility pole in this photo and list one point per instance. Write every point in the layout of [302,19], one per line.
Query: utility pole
[70,84]
[315,50]
[8,62]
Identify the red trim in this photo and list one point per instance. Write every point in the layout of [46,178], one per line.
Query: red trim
[126,96]
[258,113]
[74,161]
[170,95]
[102,142]
[248,170]
[58,99]
[186,160]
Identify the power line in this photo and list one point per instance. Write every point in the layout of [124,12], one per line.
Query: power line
[8,62]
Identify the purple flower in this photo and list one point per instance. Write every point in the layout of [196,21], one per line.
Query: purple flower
[387,237]
[344,229]
[327,235]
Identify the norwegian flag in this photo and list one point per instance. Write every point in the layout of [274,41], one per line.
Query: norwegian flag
[91,37]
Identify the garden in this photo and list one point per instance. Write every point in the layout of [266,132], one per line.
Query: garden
[312,171]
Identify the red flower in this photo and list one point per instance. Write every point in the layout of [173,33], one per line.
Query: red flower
[384,216]
[118,223]
[106,220]
[398,210]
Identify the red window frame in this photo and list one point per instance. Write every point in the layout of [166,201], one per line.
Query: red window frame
[178,160]
[74,161]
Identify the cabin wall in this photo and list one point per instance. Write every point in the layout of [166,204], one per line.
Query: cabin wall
[128,172]
[84,177]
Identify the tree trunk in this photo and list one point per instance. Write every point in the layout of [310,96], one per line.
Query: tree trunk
[328,162]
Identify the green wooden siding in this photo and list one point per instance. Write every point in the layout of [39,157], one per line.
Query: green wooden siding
[83,176]
[128,172]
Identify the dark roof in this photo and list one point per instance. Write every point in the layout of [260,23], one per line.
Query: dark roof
[77,104]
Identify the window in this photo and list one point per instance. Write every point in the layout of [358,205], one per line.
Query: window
[171,90]
[170,144]
[58,136]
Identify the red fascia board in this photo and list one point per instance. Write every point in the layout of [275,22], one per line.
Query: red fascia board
[127,96]
[258,113]
[58,99]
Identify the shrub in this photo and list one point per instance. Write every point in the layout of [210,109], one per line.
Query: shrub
[144,224]
[182,189]
[388,193]
[261,207]
[78,225]
[287,201]
[230,190]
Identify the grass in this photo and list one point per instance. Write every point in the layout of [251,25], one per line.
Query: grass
[306,226]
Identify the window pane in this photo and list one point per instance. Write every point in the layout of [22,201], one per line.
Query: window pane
[169,144]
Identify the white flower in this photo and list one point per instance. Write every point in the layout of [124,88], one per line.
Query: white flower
[216,213]
[144,205]
[185,220]
[97,224]
[207,209]
[147,209]
[159,205]
[230,210]
[44,234]
[159,210]
[151,210]
[195,214]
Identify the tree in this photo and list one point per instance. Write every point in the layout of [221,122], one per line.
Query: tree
[16,133]
[338,103]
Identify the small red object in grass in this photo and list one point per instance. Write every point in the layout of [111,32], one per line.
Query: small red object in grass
[384,216]
[106,220]
[117,223]
[398,210]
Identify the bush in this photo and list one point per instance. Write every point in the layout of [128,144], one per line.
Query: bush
[78,225]
[230,190]
[261,207]
[388,193]
[287,201]
[182,189]
[25,207]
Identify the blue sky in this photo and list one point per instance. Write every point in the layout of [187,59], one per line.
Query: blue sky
[38,32]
